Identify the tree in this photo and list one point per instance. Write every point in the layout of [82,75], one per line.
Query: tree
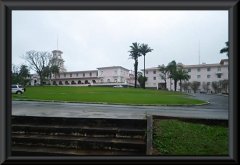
[46,73]
[185,85]
[225,50]
[20,74]
[204,86]
[134,54]
[182,75]
[15,74]
[142,80]
[215,86]
[195,85]
[172,67]
[55,70]
[38,61]
[164,70]
[225,85]
[144,49]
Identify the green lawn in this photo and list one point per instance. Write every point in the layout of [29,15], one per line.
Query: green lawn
[173,137]
[106,95]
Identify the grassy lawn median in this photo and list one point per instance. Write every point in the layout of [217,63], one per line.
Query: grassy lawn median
[106,95]
[174,137]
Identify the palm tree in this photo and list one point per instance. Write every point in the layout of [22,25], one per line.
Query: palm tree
[225,50]
[182,75]
[134,54]
[172,67]
[144,49]
[164,70]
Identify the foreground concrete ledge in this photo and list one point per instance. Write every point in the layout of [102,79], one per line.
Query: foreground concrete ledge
[186,105]
[149,134]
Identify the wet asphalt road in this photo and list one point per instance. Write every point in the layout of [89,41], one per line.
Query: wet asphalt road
[217,109]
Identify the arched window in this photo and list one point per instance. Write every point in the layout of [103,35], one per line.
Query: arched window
[79,82]
[86,81]
[93,81]
[60,83]
[66,82]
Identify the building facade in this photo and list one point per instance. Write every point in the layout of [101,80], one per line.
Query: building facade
[203,73]
[112,75]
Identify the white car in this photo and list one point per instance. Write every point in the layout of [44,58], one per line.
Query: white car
[18,89]
[118,86]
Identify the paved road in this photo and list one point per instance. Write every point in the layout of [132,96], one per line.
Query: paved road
[217,109]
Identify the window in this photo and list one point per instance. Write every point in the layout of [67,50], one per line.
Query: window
[76,74]
[208,83]
[90,74]
[198,76]
[64,75]
[108,80]
[101,72]
[70,75]
[146,72]
[219,75]
[101,80]
[189,77]
[198,69]
[154,78]
[189,70]
[219,69]
[115,80]
[83,74]
[162,77]
[208,69]
[208,76]
[154,72]
[97,74]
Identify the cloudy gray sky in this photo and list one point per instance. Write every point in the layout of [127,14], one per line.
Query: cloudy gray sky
[92,39]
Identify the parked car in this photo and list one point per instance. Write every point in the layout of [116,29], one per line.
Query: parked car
[18,89]
[118,86]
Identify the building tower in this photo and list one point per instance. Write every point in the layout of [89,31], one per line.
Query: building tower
[58,60]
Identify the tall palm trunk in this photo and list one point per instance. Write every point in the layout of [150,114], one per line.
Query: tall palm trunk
[165,84]
[180,85]
[175,85]
[144,74]
[135,68]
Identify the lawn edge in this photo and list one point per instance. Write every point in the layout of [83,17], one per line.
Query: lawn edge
[206,103]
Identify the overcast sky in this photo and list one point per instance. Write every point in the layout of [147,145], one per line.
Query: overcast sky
[92,39]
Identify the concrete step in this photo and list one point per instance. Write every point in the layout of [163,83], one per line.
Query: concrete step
[99,122]
[74,130]
[83,143]
[22,150]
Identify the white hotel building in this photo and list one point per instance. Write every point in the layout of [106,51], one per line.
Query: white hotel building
[112,75]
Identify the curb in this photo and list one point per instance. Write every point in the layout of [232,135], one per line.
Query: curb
[186,105]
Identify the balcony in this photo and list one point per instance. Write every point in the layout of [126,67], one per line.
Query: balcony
[219,72]
[115,75]
[102,75]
